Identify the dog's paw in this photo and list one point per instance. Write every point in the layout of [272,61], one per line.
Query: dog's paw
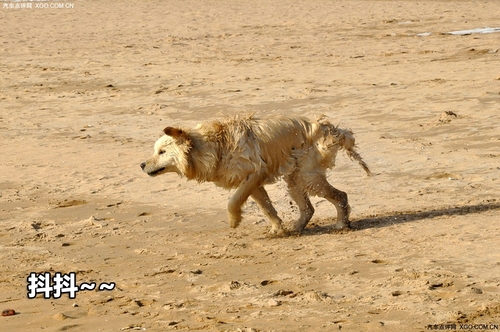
[295,232]
[234,223]
[234,220]
[342,225]
[278,233]
[341,229]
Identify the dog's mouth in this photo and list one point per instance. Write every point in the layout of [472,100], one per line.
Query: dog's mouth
[156,172]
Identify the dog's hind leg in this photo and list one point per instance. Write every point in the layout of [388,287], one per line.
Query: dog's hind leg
[320,187]
[240,197]
[260,196]
[305,207]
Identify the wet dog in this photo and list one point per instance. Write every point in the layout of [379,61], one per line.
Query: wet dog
[246,153]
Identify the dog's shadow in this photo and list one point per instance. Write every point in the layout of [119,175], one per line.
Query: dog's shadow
[400,218]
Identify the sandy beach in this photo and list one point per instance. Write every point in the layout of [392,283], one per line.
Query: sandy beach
[86,87]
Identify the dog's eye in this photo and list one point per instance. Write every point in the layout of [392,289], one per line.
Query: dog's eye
[161,152]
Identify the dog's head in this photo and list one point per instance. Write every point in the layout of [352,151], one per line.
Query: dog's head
[171,153]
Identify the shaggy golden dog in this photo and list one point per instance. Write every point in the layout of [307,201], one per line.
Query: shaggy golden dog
[246,153]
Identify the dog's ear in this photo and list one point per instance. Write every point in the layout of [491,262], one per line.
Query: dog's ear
[346,138]
[175,132]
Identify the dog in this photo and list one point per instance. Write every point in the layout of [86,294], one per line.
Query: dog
[245,153]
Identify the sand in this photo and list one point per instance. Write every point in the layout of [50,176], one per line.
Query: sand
[86,90]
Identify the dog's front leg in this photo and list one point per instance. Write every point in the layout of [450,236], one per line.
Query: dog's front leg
[240,196]
[319,186]
[339,199]
[262,198]
[305,207]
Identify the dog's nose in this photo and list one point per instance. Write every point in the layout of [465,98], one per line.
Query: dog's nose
[143,165]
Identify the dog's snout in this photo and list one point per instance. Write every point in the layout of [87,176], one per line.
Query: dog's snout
[143,165]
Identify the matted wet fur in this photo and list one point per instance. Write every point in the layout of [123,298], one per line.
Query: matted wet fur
[246,152]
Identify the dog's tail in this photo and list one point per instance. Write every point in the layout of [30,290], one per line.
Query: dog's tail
[343,139]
